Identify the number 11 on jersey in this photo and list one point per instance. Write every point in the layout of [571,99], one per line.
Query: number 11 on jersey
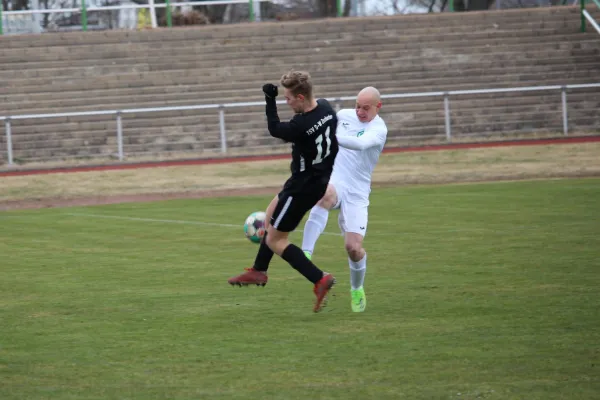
[319,143]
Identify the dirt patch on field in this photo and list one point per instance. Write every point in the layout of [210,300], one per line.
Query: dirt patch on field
[266,177]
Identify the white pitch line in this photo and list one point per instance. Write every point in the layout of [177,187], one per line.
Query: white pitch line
[169,221]
[166,221]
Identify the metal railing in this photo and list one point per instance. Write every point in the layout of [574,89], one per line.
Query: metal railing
[119,114]
[84,9]
[585,14]
[254,12]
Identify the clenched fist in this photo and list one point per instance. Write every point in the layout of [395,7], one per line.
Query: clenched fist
[270,90]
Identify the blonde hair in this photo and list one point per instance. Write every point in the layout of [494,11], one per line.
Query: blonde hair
[298,82]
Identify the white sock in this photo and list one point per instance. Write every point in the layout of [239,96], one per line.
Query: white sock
[314,226]
[358,269]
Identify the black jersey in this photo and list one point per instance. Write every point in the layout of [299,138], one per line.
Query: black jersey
[314,144]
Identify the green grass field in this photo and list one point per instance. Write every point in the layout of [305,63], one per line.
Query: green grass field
[482,291]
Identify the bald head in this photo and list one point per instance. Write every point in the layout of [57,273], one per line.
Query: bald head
[368,103]
[369,95]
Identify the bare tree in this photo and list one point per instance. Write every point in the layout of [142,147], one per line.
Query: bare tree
[15,5]
[327,8]
[109,18]
[315,8]
[390,7]
[472,5]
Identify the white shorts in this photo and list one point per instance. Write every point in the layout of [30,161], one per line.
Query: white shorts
[354,213]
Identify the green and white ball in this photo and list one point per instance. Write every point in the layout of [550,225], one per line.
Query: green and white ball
[254,227]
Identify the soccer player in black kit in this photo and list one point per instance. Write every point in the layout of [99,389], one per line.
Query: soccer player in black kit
[314,147]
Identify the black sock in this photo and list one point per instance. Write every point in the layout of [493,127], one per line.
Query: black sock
[296,258]
[264,256]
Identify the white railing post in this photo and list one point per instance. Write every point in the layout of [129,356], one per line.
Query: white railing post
[222,129]
[120,135]
[152,14]
[37,21]
[9,149]
[447,116]
[564,110]
[257,13]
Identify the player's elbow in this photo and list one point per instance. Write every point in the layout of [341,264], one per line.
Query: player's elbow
[367,145]
[272,128]
[274,133]
[280,133]
[357,147]
[350,146]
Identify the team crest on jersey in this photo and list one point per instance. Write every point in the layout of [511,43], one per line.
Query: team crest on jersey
[359,134]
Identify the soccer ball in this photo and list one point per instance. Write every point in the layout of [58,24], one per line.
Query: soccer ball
[254,227]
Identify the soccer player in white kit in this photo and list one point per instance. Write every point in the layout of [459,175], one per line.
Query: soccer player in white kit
[361,135]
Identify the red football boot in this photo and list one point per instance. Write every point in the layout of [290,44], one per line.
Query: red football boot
[250,277]
[321,289]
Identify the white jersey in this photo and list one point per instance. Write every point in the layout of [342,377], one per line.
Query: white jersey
[360,144]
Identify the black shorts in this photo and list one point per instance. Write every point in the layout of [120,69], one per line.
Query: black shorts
[293,205]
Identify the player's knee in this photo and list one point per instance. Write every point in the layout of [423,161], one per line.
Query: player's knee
[276,242]
[328,201]
[329,198]
[354,249]
[271,240]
